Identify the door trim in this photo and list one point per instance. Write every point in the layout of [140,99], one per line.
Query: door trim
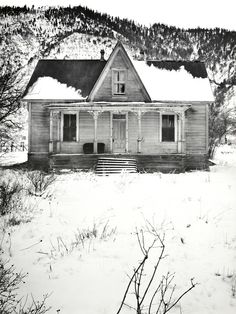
[126,131]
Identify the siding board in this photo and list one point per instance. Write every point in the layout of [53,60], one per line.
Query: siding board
[196,129]
[133,89]
[39,128]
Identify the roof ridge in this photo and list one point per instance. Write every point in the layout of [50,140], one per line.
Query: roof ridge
[73,60]
[171,60]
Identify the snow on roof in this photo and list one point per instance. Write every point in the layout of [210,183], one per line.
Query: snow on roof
[49,88]
[80,74]
[173,84]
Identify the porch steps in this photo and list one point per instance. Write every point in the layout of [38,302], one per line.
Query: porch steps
[109,165]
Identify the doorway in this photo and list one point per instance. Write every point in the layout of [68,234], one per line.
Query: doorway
[119,133]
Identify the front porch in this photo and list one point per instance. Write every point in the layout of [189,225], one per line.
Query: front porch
[117,128]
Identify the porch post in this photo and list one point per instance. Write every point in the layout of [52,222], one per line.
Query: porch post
[139,131]
[58,132]
[51,132]
[127,133]
[77,126]
[61,126]
[95,143]
[111,133]
[181,133]
[183,150]
[179,129]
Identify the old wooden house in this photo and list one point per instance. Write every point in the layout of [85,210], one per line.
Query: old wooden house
[154,113]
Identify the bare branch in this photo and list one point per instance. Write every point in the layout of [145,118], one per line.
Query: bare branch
[193,285]
[164,292]
[131,280]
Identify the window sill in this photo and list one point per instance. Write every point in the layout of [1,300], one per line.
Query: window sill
[69,141]
[167,142]
[119,96]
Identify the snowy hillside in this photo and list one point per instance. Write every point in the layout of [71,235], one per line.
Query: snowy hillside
[78,241]
[81,46]
[30,34]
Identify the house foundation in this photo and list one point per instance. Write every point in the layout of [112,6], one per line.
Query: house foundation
[165,163]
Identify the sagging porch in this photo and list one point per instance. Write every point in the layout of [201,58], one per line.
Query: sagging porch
[117,128]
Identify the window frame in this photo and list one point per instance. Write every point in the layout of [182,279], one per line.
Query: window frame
[114,82]
[76,113]
[175,126]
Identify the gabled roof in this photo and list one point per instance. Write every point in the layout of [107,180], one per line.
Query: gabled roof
[79,80]
[118,48]
[78,74]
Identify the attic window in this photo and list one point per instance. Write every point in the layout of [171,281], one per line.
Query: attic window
[69,128]
[168,125]
[119,82]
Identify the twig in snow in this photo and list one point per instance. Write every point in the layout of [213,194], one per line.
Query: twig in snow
[29,247]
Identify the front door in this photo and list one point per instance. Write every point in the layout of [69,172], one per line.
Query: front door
[119,133]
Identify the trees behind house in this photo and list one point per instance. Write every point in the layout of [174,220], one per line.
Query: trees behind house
[222,113]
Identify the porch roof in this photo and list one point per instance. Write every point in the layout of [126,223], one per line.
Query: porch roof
[118,107]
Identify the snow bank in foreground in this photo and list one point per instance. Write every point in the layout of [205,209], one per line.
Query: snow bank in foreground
[163,85]
[8,159]
[197,212]
[49,88]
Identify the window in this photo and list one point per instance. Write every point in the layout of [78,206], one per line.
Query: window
[119,116]
[119,82]
[69,128]
[168,128]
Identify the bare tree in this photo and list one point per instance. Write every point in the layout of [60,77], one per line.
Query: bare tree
[10,91]
[10,95]
[222,116]
[150,296]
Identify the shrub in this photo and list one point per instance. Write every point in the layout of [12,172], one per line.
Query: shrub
[10,281]
[39,182]
[15,204]
[8,192]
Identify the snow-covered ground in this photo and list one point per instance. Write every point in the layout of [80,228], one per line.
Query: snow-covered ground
[81,243]
[8,159]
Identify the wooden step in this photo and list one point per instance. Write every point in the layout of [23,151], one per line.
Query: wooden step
[116,163]
[109,165]
[109,171]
